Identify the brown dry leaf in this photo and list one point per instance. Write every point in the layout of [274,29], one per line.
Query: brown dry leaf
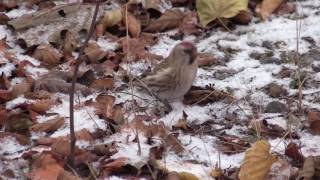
[69,42]
[3,116]
[48,126]
[114,165]
[5,95]
[65,175]
[216,172]
[20,89]
[172,143]
[285,8]
[104,105]
[23,140]
[314,115]
[103,84]
[189,25]
[293,151]
[244,17]
[182,123]
[47,54]
[136,48]
[41,106]
[150,39]
[308,170]
[314,121]
[257,161]
[202,96]
[169,20]
[45,167]
[268,130]
[231,144]
[206,59]
[21,70]
[18,121]
[61,146]
[5,84]
[4,18]
[134,25]
[83,157]
[267,7]
[94,52]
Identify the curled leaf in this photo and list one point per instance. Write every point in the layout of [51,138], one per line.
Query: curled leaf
[209,10]
[257,161]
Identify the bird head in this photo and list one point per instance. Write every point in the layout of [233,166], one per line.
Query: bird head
[184,53]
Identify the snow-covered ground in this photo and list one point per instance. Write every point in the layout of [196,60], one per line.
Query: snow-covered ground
[248,82]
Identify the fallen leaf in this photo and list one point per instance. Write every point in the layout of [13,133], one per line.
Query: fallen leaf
[3,116]
[65,175]
[182,122]
[48,126]
[149,39]
[103,84]
[169,20]
[314,121]
[267,7]
[257,161]
[41,106]
[189,24]
[69,42]
[4,18]
[114,165]
[206,59]
[203,96]
[45,167]
[61,146]
[243,17]
[23,140]
[285,8]
[308,170]
[294,152]
[209,10]
[19,122]
[47,54]
[104,105]
[94,52]
[232,144]
[134,25]
[134,48]
[20,89]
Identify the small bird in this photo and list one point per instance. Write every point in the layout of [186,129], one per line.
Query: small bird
[172,78]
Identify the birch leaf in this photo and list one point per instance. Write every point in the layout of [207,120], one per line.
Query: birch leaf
[209,10]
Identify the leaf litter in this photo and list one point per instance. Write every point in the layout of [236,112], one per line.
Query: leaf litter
[123,133]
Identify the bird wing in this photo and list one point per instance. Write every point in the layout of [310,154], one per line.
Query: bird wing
[162,80]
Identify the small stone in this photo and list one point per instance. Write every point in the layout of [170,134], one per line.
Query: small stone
[275,107]
[267,44]
[316,68]
[276,90]
[270,60]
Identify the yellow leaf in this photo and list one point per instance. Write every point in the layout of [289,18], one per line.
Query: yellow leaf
[111,18]
[187,176]
[257,161]
[209,10]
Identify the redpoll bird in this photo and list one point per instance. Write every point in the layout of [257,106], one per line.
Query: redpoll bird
[172,78]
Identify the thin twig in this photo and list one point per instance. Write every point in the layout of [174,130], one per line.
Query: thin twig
[78,62]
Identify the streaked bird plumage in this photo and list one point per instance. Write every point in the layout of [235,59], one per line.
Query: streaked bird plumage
[172,78]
